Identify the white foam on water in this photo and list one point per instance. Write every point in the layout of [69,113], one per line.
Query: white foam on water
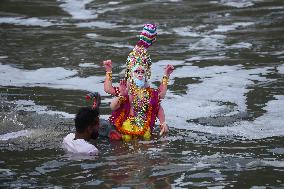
[117,45]
[216,42]
[25,21]
[185,31]
[77,9]
[30,106]
[277,151]
[281,69]
[180,182]
[242,4]
[3,57]
[174,1]
[88,65]
[18,77]
[266,163]
[236,3]
[278,52]
[114,2]
[97,24]
[13,135]
[258,187]
[234,26]
[241,45]
[58,78]
[92,35]
[269,125]
[158,68]
[137,28]
[112,9]
[6,172]
[220,84]
[216,187]
[198,58]
[209,42]
[162,32]
[213,41]
[274,8]
[275,163]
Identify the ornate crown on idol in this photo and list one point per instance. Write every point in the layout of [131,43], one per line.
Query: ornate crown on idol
[139,55]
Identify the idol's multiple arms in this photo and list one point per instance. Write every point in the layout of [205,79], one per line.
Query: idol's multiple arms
[164,84]
[164,129]
[117,101]
[108,80]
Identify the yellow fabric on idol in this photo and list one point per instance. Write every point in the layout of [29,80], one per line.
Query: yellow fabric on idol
[128,126]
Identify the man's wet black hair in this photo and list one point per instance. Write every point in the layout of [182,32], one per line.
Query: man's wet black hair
[85,117]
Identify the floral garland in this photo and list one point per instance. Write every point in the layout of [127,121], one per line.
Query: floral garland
[121,115]
[141,132]
[140,103]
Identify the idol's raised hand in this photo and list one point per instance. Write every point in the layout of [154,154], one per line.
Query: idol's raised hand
[164,129]
[169,69]
[108,65]
[123,87]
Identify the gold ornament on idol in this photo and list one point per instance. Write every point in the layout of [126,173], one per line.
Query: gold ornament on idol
[109,75]
[140,103]
[121,99]
[165,80]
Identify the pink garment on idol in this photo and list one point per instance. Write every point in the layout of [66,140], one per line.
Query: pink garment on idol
[154,102]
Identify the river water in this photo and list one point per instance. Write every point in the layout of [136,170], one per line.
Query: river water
[224,106]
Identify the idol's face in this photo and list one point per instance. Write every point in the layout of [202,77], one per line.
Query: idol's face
[139,76]
[139,73]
